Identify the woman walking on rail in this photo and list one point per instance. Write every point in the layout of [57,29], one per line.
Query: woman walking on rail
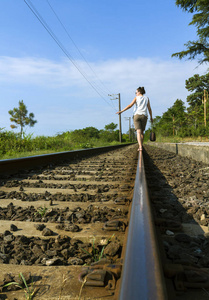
[140,114]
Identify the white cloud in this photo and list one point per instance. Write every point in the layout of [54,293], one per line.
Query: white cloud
[37,71]
[164,82]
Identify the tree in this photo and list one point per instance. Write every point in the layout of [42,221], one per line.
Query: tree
[21,118]
[82,135]
[166,123]
[196,84]
[91,132]
[156,121]
[179,115]
[109,134]
[201,21]
[111,127]
[173,120]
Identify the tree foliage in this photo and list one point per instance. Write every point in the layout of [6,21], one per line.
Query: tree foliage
[11,143]
[200,47]
[21,117]
[84,134]
[197,84]
[110,133]
[173,120]
[87,136]
[182,121]
[111,127]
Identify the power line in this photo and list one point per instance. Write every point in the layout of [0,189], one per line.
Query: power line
[76,46]
[55,38]
[63,26]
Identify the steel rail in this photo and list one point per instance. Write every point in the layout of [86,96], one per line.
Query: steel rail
[8,166]
[142,277]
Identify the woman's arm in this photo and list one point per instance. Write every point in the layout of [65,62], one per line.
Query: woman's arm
[150,111]
[127,107]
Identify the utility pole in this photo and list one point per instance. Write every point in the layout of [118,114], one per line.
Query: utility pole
[117,97]
[173,124]
[129,118]
[205,99]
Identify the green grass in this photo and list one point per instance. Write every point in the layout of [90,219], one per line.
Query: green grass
[41,152]
[176,139]
[14,145]
[25,154]
[29,291]
[97,254]
[41,211]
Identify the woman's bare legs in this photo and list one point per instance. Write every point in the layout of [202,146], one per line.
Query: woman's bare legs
[140,137]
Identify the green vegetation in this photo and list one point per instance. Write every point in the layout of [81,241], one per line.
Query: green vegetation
[12,145]
[192,122]
[29,292]
[41,211]
[97,254]
[180,122]
[200,19]
[21,118]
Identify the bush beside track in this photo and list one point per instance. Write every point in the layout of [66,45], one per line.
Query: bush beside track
[13,146]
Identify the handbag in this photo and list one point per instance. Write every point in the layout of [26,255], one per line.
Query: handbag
[152,136]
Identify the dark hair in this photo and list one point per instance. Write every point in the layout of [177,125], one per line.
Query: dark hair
[141,90]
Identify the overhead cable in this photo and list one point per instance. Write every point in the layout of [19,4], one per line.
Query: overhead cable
[60,45]
[81,54]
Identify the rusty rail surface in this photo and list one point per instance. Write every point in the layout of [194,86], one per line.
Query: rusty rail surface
[142,277]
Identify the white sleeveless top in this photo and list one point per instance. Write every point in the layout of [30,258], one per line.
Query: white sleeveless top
[141,105]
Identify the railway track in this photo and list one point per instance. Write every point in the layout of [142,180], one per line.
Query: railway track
[57,221]
[80,225]
[178,188]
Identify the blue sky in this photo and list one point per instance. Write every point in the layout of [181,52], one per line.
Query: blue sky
[120,45]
